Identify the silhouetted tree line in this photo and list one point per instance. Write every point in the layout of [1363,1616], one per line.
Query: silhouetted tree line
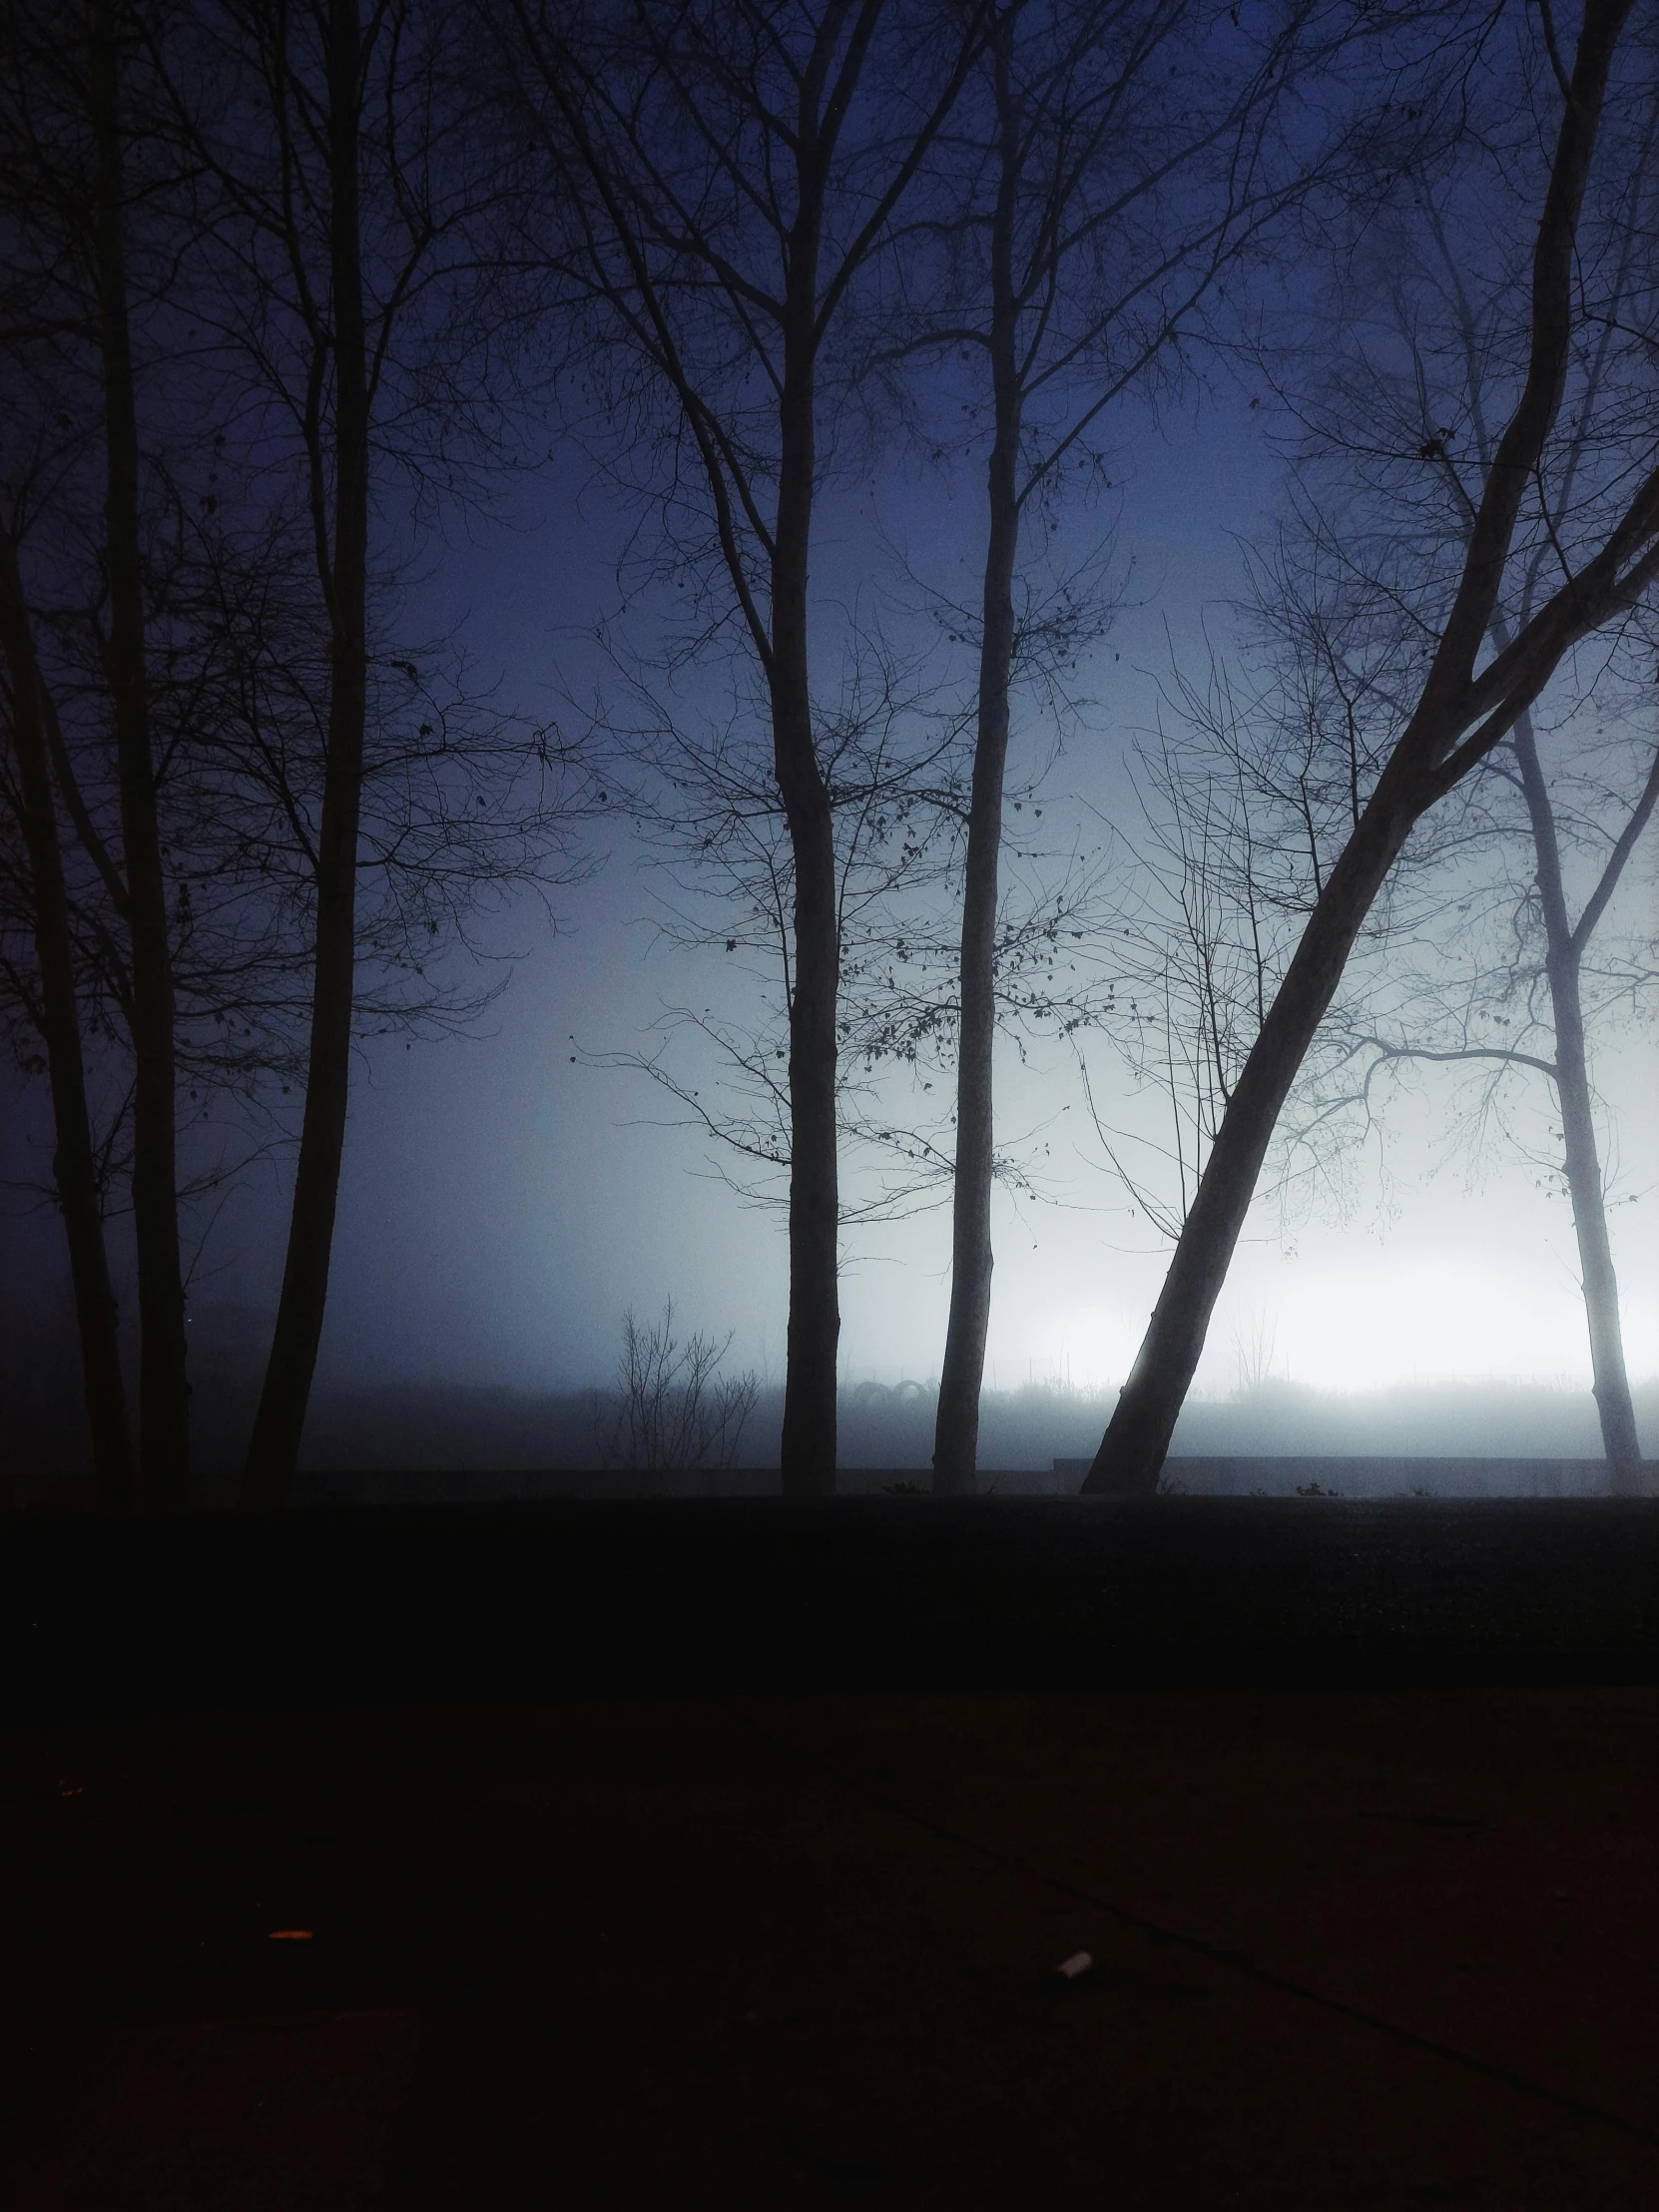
[246,819]
[283,284]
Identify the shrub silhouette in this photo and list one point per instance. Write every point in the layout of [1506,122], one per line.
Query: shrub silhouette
[674,1409]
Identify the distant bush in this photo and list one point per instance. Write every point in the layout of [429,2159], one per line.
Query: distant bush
[674,1409]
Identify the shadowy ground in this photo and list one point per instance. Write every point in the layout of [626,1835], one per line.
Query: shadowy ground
[640,1597]
[1368,1948]
[723,1853]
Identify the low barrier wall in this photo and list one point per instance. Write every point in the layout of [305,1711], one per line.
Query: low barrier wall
[1232,1476]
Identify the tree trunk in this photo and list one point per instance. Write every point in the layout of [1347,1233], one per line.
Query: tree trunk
[808,1448]
[73,1164]
[164,1387]
[961,1378]
[274,1448]
[1595,1253]
[1133,1450]
[1563,956]
[1137,1437]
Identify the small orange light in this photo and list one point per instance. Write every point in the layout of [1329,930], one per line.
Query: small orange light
[291,1935]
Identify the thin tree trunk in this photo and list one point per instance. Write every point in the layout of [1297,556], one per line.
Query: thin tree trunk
[1595,1253]
[961,1378]
[73,1164]
[164,1387]
[274,1448]
[808,1448]
[1563,959]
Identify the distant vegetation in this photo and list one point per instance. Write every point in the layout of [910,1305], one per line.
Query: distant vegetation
[689,1412]
[672,1407]
[387,1425]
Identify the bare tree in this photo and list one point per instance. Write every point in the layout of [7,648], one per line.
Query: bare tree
[1489,976]
[329,292]
[1567,940]
[1516,989]
[1246,805]
[1608,551]
[1200,935]
[1112,165]
[164,1389]
[452,802]
[54,1008]
[80,313]
[724,176]
[341,175]
[710,806]
[675,1409]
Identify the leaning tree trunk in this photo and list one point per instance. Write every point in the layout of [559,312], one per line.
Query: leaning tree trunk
[1422,768]
[73,1163]
[961,1377]
[1133,1451]
[1563,963]
[808,1448]
[274,1448]
[163,1388]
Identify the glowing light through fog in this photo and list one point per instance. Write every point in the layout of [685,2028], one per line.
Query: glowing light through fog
[1372,1324]
[1366,1327]
[1362,1328]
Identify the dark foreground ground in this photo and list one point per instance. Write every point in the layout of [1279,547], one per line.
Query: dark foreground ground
[721,1854]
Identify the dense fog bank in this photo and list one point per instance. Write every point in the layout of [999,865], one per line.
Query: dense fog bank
[393,1427]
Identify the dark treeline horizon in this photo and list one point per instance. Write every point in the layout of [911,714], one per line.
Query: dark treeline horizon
[292,299]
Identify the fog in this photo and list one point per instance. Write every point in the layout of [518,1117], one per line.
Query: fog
[505,1200]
